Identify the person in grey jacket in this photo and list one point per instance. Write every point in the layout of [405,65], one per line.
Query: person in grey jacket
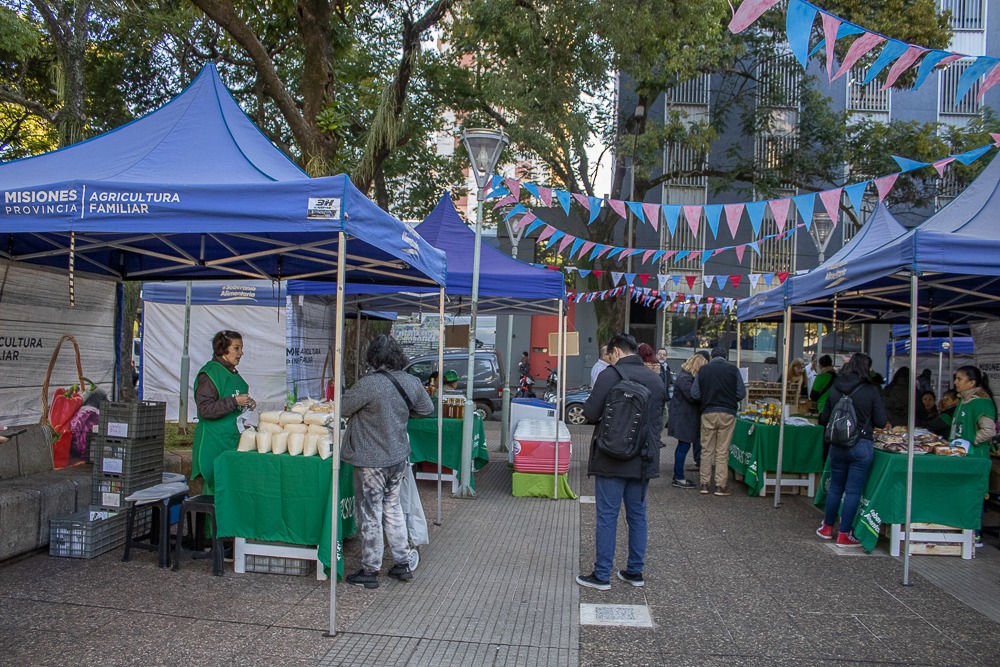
[616,481]
[719,386]
[376,444]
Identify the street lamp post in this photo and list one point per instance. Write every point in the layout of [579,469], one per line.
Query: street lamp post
[821,233]
[515,238]
[484,147]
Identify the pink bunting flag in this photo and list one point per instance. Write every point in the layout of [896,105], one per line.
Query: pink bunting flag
[996,139]
[779,209]
[618,206]
[748,12]
[830,26]
[831,202]
[585,248]
[991,80]
[884,185]
[950,59]
[902,64]
[646,255]
[525,220]
[859,48]
[606,249]
[514,186]
[733,214]
[944,162]
[545,194]
[668,254]
[582,200]
[547,232]
[652,212]
[566,240]
[740,249]
[693,216]
[623,253]
[503,201]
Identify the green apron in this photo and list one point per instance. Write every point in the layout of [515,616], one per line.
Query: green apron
[965,421]
[212,437]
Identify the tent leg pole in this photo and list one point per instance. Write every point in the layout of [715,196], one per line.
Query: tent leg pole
[559,360]
[338,384]
[910,425]
[440,398]
[505,399]
[784,401]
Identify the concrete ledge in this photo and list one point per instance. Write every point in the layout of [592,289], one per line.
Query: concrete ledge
[27,504]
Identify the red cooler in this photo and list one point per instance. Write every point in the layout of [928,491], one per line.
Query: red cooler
[535,446]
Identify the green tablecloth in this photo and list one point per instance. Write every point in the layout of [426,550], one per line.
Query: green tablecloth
[282,498]
[946,489]
[423,443]
[754,451]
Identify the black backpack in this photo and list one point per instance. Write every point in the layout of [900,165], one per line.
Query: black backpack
[843,429]
[623,430]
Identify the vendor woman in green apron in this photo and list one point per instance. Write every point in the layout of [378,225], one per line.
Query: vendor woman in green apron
[975,416]
[221,394]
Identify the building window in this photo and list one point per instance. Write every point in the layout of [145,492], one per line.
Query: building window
[776,255]
[778,82]
[691,92]
[681,160]
[965,14]
[968,105]
[866,97]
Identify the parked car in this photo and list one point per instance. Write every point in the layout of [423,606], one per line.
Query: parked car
[487,388]
[575,398]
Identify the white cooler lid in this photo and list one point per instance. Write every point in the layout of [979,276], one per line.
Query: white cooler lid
[540,429]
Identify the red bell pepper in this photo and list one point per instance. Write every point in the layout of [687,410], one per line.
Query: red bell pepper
[64,405]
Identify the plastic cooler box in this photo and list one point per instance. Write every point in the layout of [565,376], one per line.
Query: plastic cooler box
[528,408]
[535,446]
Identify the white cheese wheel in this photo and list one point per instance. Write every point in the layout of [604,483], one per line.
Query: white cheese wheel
[263,442]
[295,428]
[310,445]
[289,418]
[296,442]
[325,447]
[279,443]
[248,440]
[270,417]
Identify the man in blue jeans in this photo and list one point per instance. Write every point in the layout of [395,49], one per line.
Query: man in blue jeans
[617,481]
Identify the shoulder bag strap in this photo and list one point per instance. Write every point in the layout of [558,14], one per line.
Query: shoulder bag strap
[395,382]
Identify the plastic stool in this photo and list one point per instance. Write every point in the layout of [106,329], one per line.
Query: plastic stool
[200,506]
[159,534]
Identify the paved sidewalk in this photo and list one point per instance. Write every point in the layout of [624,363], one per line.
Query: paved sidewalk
[730,581]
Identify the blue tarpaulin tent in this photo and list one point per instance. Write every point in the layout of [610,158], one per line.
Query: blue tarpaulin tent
[506,285]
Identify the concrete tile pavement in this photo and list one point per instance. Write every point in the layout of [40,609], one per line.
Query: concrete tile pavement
[730,581]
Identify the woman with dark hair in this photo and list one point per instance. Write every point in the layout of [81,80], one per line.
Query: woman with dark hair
[975,417]
[220,394]
[823,382]
[849,466]
[897,401]
[375,443]
[685,424]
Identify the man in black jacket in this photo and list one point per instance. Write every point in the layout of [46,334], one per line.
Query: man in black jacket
[719,386]
[617,481]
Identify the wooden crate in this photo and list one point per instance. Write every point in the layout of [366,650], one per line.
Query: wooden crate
[933,539]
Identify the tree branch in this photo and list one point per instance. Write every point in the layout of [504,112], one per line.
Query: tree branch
[31,106]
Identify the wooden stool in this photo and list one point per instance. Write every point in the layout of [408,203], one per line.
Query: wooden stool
[200,506]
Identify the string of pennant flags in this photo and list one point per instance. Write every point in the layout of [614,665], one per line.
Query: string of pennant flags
[664,280]
[508,191]
[675,302]
[902,56]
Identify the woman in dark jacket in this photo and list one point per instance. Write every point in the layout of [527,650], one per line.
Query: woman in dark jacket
[849,467]
[897,401]
[685,418]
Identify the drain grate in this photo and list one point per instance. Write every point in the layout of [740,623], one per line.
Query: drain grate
[624,615]
[587,500]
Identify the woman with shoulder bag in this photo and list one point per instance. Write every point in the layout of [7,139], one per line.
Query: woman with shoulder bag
[849,466]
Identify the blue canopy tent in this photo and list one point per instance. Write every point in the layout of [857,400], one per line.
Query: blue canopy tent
[193,190]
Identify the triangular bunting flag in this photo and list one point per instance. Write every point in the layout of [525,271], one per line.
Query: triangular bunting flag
[884,185]
[748,12]
[712,214]
[720,282]
[661,281]
[595,209]
[629,278]
[545,194]
[514,186]
[968,157]
[799,18]
[535,224]
[525,220]
[782,277]
[690,281]
[856,194]
[617,205]
[779,209]
[658,255]
[804,206]
[979,67]
[901,65]
[676,279]
[906,164]
[604,249]
[708,279]
[733,214]
[927,66]
[582,200]
[532,190]
[583,272]
[705,255]
[697,297]
[859,48]
[693,216]
[892,50]
[652,212]
[941,164]
[646,255]
[768,278]
[735,280]
[636,208]
[616,277]
[670,214]
[564,199]
[575,247]
[831,203]
[520,208]
[755,246]
[566,240]
[830,25]
[754,279]
[740,249]
[756,212]
[586,248]
[505,201]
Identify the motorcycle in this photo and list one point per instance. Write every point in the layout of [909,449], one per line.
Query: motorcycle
[525,387]
[552,383]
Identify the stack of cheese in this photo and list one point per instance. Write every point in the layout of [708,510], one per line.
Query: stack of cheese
[300,430]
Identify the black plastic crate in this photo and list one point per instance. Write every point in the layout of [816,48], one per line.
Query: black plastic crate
[77,536]
[126,456]
[132,419]
[110,491]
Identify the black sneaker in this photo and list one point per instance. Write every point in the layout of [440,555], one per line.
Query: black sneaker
[683,484]
[400,571]
[363,578]
[634,579]
[591,581]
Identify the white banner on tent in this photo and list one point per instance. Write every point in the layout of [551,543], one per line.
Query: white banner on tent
[986,338]
[309,340]
[34,314]
[263,363]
